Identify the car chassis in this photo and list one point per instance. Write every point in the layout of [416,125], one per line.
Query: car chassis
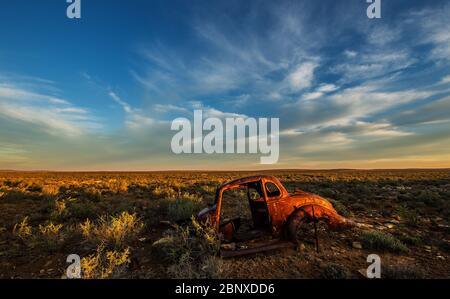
[275,212]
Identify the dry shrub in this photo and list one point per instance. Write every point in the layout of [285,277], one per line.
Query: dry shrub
[101,264]
[191,251]
[50,230]
[118,186]
[182,208]
[50,236]
[23,230]
[382,241]
[59,209]
[115,230]
[50,190]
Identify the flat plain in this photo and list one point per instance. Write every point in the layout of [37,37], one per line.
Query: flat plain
[127,225]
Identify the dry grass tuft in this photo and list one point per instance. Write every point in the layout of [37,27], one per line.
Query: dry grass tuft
[115,230]
[101,264]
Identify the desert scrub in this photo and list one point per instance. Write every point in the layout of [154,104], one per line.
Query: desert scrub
[340,208]
[105,264]
[59,209]
[23,230]
[86,228]
[165,192]
[50,190]
[50,236]
[409,216]
[191,251]
[410,240]
[34,188]
[118,186]
[82,209]
[181,209]
[382,241]
[115,230]
[334,271]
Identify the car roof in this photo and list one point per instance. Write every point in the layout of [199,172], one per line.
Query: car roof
[249,179]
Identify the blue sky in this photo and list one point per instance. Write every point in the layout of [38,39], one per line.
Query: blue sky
[100,93]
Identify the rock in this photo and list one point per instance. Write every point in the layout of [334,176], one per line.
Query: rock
[301,247]
[397,217]
[230,246]
[440,257]
[357,245]
[427,247]
[390,225]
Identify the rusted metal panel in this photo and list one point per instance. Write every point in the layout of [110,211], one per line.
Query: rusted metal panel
[281,206]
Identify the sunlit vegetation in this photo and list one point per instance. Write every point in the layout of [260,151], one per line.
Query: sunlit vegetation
[139,225]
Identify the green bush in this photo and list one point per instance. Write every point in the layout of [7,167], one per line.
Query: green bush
[180,209]
[334,271]
[340,208]
[381,241]
[409,216]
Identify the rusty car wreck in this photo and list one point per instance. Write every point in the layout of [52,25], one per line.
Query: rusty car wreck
[274,212]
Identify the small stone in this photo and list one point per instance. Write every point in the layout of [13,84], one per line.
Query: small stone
[390,225]
[231,246]
[357,245]
[301,247]
[440,257]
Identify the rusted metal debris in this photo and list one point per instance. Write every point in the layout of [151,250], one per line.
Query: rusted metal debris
[274,211]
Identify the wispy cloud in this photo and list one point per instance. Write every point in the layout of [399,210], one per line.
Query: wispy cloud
[135,119]
[52,114]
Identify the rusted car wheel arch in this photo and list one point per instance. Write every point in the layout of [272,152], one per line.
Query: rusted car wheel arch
[311,213]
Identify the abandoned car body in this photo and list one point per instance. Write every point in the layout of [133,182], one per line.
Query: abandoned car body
[273,209]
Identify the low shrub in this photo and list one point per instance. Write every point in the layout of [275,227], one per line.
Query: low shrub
[105,264]
[115,231]
[191,251]
[22,229]
[334,271]
[181,209]
[381,241]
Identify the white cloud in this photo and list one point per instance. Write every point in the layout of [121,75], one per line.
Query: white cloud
[56,116]
[320,91]
[135,119]
[446,79]
[326,88]
[302,76]
[350,53]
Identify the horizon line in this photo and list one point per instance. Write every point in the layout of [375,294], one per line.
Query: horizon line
[227,170]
